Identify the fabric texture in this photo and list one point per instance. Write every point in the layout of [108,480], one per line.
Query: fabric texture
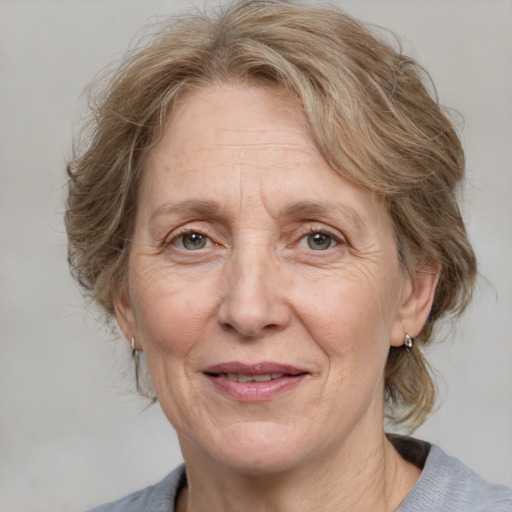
[445,485]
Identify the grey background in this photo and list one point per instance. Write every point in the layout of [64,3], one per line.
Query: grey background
[71,433]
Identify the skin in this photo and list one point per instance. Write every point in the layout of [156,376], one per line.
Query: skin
[232,166]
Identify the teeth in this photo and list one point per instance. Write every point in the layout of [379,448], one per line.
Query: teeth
[264,377]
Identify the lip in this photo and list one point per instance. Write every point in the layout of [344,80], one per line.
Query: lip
[253,391]
[254,369]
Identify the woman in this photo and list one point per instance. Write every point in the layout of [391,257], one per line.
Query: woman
[267,206]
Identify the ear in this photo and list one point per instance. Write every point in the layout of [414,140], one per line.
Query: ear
[417,299]
[125,315]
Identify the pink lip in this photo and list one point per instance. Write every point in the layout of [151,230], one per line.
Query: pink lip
[254,391]
[254,369]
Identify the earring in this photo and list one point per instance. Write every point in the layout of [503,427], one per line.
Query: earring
[135,352]
[136,360]
[408,342]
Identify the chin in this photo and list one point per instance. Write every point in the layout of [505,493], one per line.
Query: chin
[258,448]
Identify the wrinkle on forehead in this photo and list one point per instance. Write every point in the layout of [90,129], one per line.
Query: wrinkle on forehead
[286,109]
[285,117]
[264,149]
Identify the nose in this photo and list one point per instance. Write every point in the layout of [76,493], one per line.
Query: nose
[254,299]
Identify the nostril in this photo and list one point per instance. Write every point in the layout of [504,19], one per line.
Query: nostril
[249,329]
[227,326]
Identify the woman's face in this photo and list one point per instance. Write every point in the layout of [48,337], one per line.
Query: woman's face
[263,288]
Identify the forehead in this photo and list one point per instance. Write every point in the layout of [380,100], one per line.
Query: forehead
[233,116]
[245,143]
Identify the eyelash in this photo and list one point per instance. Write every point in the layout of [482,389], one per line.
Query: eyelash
[321,230]
[182,233]
[312,230]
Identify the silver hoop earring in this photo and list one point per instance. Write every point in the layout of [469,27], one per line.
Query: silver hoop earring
[136,360]
[408,342]
[135,352]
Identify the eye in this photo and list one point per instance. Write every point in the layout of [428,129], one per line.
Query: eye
[318,241]
[192,241]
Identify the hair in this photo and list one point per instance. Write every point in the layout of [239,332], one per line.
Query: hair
[368,110]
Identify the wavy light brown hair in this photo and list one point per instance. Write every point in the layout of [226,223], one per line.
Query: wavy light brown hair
[368,109]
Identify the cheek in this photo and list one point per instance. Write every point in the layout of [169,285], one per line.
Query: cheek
[350,315]
[356,305]
[170,313]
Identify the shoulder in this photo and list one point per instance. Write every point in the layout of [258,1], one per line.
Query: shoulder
[447,485]
[156,498]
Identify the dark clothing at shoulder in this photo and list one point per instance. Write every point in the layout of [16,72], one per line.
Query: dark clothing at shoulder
[445,485]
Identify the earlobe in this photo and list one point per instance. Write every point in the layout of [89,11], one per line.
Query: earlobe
[416,304]
[125,316]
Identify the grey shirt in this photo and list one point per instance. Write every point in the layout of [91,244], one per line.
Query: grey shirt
[445,485]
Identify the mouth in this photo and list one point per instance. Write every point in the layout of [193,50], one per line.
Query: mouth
[252,383]
[242,377]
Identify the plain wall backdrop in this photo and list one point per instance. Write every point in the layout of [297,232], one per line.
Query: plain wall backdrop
[71,433]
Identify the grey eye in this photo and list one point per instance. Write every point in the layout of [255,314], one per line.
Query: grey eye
[319,241]
[194,241]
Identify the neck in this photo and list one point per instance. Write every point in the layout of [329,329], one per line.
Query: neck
[364,474]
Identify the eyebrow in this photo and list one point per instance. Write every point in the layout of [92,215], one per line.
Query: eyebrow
[193,206]
[212,209]
[311,208]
